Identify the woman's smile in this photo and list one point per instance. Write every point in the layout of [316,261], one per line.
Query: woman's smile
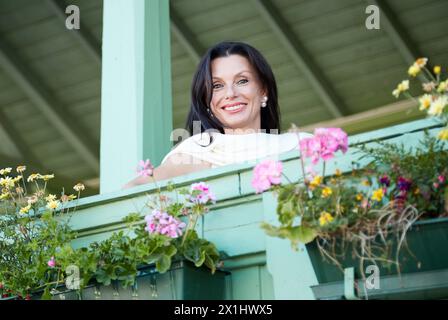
[234,107]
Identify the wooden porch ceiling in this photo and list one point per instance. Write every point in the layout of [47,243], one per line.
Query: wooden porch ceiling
[327,64]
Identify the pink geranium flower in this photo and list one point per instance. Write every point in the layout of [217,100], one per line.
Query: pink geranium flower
[265,174]
[162,223]
[51,263]
[324,144]
[204,196]
[145,168]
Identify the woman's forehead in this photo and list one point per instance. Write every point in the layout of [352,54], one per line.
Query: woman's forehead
[230,66]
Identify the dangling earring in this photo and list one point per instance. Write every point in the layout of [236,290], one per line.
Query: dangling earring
[209,112]
[264,103]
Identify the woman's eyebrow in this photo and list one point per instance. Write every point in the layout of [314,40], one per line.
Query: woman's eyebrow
[237,75]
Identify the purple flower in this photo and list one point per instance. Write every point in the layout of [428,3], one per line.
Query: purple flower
[384,180]
[162,223]
[404,184]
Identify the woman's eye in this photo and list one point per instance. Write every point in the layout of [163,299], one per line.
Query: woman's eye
[243,81]
[217,86]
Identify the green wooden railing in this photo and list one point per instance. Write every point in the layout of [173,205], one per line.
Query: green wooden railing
[261,267]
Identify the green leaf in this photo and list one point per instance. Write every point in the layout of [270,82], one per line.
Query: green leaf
[296,234]
[46,295]
[163,264]
[303,234]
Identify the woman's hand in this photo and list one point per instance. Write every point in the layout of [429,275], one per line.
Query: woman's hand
[175,165]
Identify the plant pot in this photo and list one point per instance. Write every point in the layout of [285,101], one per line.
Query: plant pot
[183,281]
[427,240]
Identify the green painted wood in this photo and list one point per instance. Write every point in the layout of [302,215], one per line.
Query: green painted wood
[432,285]
[246,284]
[155,125]
[262,267]
[292,272]
[136,88]
[266,284]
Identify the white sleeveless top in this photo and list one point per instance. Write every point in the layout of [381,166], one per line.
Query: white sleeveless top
[226,149]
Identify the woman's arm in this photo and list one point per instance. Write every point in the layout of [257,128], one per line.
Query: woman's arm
[171,168]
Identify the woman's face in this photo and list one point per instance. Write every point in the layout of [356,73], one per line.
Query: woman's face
[237,93]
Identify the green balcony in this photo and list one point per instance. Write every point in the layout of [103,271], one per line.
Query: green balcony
[261,267]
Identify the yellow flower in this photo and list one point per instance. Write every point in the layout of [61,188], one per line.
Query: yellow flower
[326,192]
[317,180]
[79,187]
[437,106]
[5,171]
[417,191]
[338,172]
[378,195]
[33,177]
[52,205]
[437,70]
[21,169]
[425,101]
[414,70]
[4,196]
[325,218]
[47,177]
[443,134]
[50,197]
[443,86]
[25,209]
[359,197]
[402,87]
[17,179]
[7,182]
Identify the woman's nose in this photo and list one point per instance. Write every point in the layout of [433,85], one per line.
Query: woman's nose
[230,92]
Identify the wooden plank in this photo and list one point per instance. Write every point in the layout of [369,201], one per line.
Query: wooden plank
[83,36]
[246,284]
[296,12]
[302,58]
[185,36]
[234,12]
[266,284]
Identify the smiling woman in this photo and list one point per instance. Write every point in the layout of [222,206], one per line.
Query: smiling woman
[234,114]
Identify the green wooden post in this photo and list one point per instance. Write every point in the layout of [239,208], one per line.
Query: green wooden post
[136,111]
[292,272]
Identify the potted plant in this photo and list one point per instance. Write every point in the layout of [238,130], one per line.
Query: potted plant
[391,213]
[31,231]
[158,255]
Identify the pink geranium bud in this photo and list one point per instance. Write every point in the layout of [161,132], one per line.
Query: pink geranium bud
[436,185]
[51,262]
[441,178]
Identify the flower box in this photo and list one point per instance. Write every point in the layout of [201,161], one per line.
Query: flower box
[427,241]
[183,281]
